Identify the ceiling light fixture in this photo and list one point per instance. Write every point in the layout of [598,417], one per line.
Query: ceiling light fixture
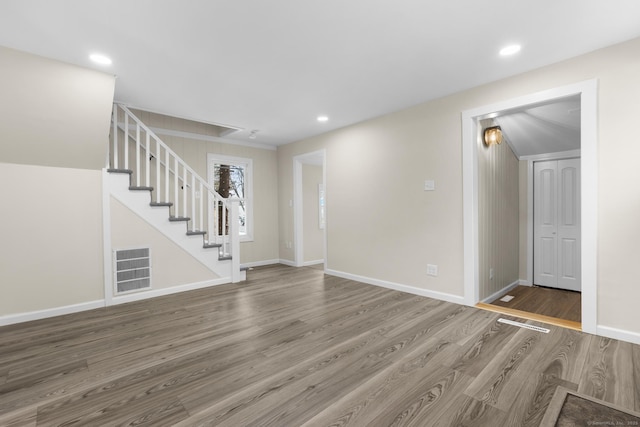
[510,50]
[100,59]
[323,119]
[493,136]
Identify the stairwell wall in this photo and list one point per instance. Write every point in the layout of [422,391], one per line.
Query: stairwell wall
[195,142]
[54,127]
[171,266]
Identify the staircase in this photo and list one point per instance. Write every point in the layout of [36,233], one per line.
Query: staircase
[155,183]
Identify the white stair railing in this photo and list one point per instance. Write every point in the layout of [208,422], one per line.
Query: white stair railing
[175,184]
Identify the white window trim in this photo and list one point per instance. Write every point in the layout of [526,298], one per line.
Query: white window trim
[213,158]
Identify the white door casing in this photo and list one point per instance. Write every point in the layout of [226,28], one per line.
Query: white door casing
[557,224]
[588,91]
[315,158]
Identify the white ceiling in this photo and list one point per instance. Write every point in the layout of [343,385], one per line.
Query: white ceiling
[274,66]
[542,129]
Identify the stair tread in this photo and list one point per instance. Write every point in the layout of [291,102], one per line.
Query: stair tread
[212,245]
[156,217]
[111,170]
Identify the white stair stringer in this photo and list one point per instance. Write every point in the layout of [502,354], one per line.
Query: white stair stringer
[158,217]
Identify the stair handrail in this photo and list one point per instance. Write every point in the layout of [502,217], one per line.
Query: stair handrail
[153,135]
[229,226]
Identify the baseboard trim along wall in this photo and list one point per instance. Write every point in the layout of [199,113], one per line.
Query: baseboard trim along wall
[314,262]
[399,287]
[287,262]
[11,319]
[260,263]
[618,334]
[501,292]
[167,291]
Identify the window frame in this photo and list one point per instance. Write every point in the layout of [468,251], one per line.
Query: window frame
[247,164]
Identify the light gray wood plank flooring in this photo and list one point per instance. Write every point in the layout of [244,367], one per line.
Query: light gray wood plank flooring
[294,347]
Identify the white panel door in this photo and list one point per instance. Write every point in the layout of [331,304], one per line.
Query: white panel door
[557,224]
[569,224]
[545,254]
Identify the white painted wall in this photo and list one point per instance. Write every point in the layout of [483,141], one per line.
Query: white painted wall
[382,225]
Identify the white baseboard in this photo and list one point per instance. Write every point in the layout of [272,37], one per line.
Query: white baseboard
[314,262]
[11,319]
[399,287]
[525,282]
[260,263]
[287,262]
[618,334]
[167,291]
[501,292]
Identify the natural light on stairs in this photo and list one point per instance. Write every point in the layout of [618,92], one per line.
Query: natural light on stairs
[156,184]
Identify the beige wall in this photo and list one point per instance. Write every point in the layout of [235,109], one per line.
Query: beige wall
[498,215]
[170,264]
[54,127]
[264,246]
[381,222]
[313,235]
[51,244]
[523,233]
[382,225]
[52,113]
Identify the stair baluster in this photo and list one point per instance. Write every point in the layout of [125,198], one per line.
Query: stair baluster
[198,197]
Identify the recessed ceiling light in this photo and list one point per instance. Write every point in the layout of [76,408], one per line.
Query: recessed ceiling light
[323,119]
[510,50]
[100,59]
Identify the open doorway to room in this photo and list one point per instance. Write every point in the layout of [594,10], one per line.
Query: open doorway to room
[529,210]
[530,206]
[309,203]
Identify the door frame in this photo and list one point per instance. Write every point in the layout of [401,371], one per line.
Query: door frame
[298,221]
[588,91]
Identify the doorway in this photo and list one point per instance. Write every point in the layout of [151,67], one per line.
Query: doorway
[309,205]
[556,224]
[587,91]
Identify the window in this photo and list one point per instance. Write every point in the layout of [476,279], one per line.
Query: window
[232,177]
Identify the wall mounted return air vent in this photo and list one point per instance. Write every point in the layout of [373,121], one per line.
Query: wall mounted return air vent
[132,269]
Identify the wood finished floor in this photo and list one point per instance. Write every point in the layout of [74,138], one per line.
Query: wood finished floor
[293,347]
[546,301]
